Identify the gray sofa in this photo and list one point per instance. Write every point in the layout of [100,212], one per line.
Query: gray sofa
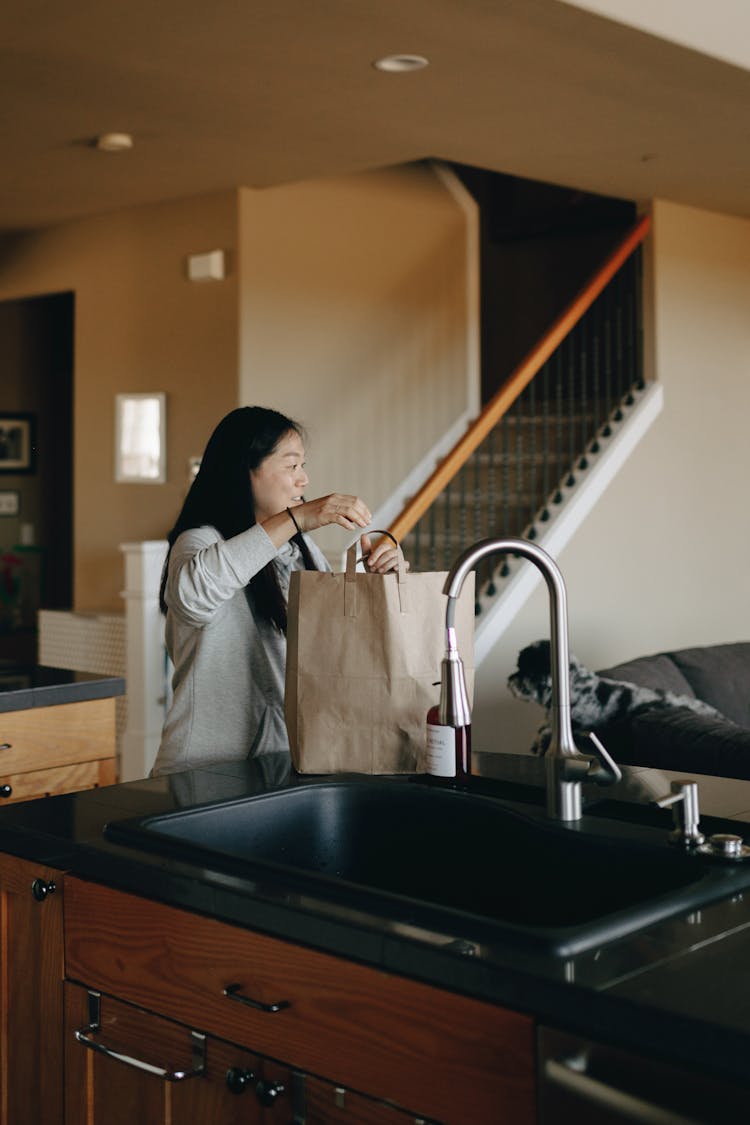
[680,739]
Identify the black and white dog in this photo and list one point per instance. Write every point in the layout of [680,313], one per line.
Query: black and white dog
[595,701]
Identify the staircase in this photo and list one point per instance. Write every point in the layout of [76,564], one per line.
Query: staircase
[545,433]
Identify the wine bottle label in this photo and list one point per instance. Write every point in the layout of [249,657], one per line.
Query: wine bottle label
[441,751]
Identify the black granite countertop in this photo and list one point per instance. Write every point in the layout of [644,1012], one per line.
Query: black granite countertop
[675,989]
[25,686]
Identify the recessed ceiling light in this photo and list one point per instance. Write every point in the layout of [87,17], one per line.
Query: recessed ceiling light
[399,64]
[114,142]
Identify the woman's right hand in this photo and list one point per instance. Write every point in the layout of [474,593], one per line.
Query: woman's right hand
[346,511]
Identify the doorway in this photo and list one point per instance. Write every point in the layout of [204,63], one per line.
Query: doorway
[36,493]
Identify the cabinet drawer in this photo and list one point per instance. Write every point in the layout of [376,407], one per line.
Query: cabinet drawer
[45,737]
[128,1065]
[323,1103]
[441,1055]
[63,779]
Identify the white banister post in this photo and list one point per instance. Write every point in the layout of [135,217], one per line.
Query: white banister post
[145,657]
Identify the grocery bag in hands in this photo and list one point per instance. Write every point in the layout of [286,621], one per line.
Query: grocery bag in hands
[364,652]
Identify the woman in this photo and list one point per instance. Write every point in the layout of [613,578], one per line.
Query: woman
[241,532]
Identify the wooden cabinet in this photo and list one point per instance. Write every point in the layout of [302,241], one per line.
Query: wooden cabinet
[434,1054]
[31,996]
[60,749]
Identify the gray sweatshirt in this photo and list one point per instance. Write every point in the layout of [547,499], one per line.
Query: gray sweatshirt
[228,682]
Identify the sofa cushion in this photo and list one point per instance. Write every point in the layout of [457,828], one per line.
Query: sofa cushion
[681,740]
[719,675]
[657,671]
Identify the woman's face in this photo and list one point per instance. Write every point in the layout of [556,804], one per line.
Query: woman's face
[280,479]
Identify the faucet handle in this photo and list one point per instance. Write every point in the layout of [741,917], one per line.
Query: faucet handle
[603,770]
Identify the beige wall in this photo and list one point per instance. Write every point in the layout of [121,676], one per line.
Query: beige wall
[355,321]
[139,326]
[345,306]
[662,562]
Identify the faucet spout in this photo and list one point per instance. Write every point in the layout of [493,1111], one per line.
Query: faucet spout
[565,766]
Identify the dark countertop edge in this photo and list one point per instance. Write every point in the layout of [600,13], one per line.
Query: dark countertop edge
[50,695]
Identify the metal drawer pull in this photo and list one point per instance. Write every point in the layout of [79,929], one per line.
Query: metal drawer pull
[569,1075]
[197,1039]
[6,746]
[232,992]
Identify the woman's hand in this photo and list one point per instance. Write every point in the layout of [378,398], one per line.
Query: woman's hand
[381,558]
[346,511]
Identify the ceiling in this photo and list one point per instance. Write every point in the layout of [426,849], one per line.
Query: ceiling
[263,92]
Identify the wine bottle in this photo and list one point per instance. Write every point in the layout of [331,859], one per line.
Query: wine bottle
[448,748]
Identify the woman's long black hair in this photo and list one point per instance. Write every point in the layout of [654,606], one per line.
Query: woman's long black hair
[221,496]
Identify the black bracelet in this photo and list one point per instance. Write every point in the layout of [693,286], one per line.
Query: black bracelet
[290,513]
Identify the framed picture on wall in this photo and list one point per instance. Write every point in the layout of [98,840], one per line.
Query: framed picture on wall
[17,443]
[141,438]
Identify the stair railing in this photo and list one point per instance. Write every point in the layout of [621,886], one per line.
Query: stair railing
[563,367]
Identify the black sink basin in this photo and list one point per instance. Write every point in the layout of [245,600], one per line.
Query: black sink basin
[446,859]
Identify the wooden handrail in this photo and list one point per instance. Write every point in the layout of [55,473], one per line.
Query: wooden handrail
[516,382]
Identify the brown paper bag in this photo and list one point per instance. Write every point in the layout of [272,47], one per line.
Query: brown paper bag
[363,655]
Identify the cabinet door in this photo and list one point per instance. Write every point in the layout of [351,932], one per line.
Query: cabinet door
[31,993]
[126,1065]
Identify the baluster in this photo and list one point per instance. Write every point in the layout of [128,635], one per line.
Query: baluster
[636,367]
[531,534]
[596,374]
[491,511]
[570,480]
[638,330]
[505,568]
[447,554]
[559,427]
[476,523]
[629,276]
[619,365]
[492,483]
[433,545]
[580,337]
[545,442]
[608,395]
[463,539]
[478,457]
[519,465]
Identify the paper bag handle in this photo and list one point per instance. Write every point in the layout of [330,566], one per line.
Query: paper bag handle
[350,583]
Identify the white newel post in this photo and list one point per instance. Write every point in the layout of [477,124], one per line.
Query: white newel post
[146,676]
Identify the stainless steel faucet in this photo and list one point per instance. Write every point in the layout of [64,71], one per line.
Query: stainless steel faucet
[565,766]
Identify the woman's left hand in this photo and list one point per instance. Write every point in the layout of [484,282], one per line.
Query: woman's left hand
[381,558]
